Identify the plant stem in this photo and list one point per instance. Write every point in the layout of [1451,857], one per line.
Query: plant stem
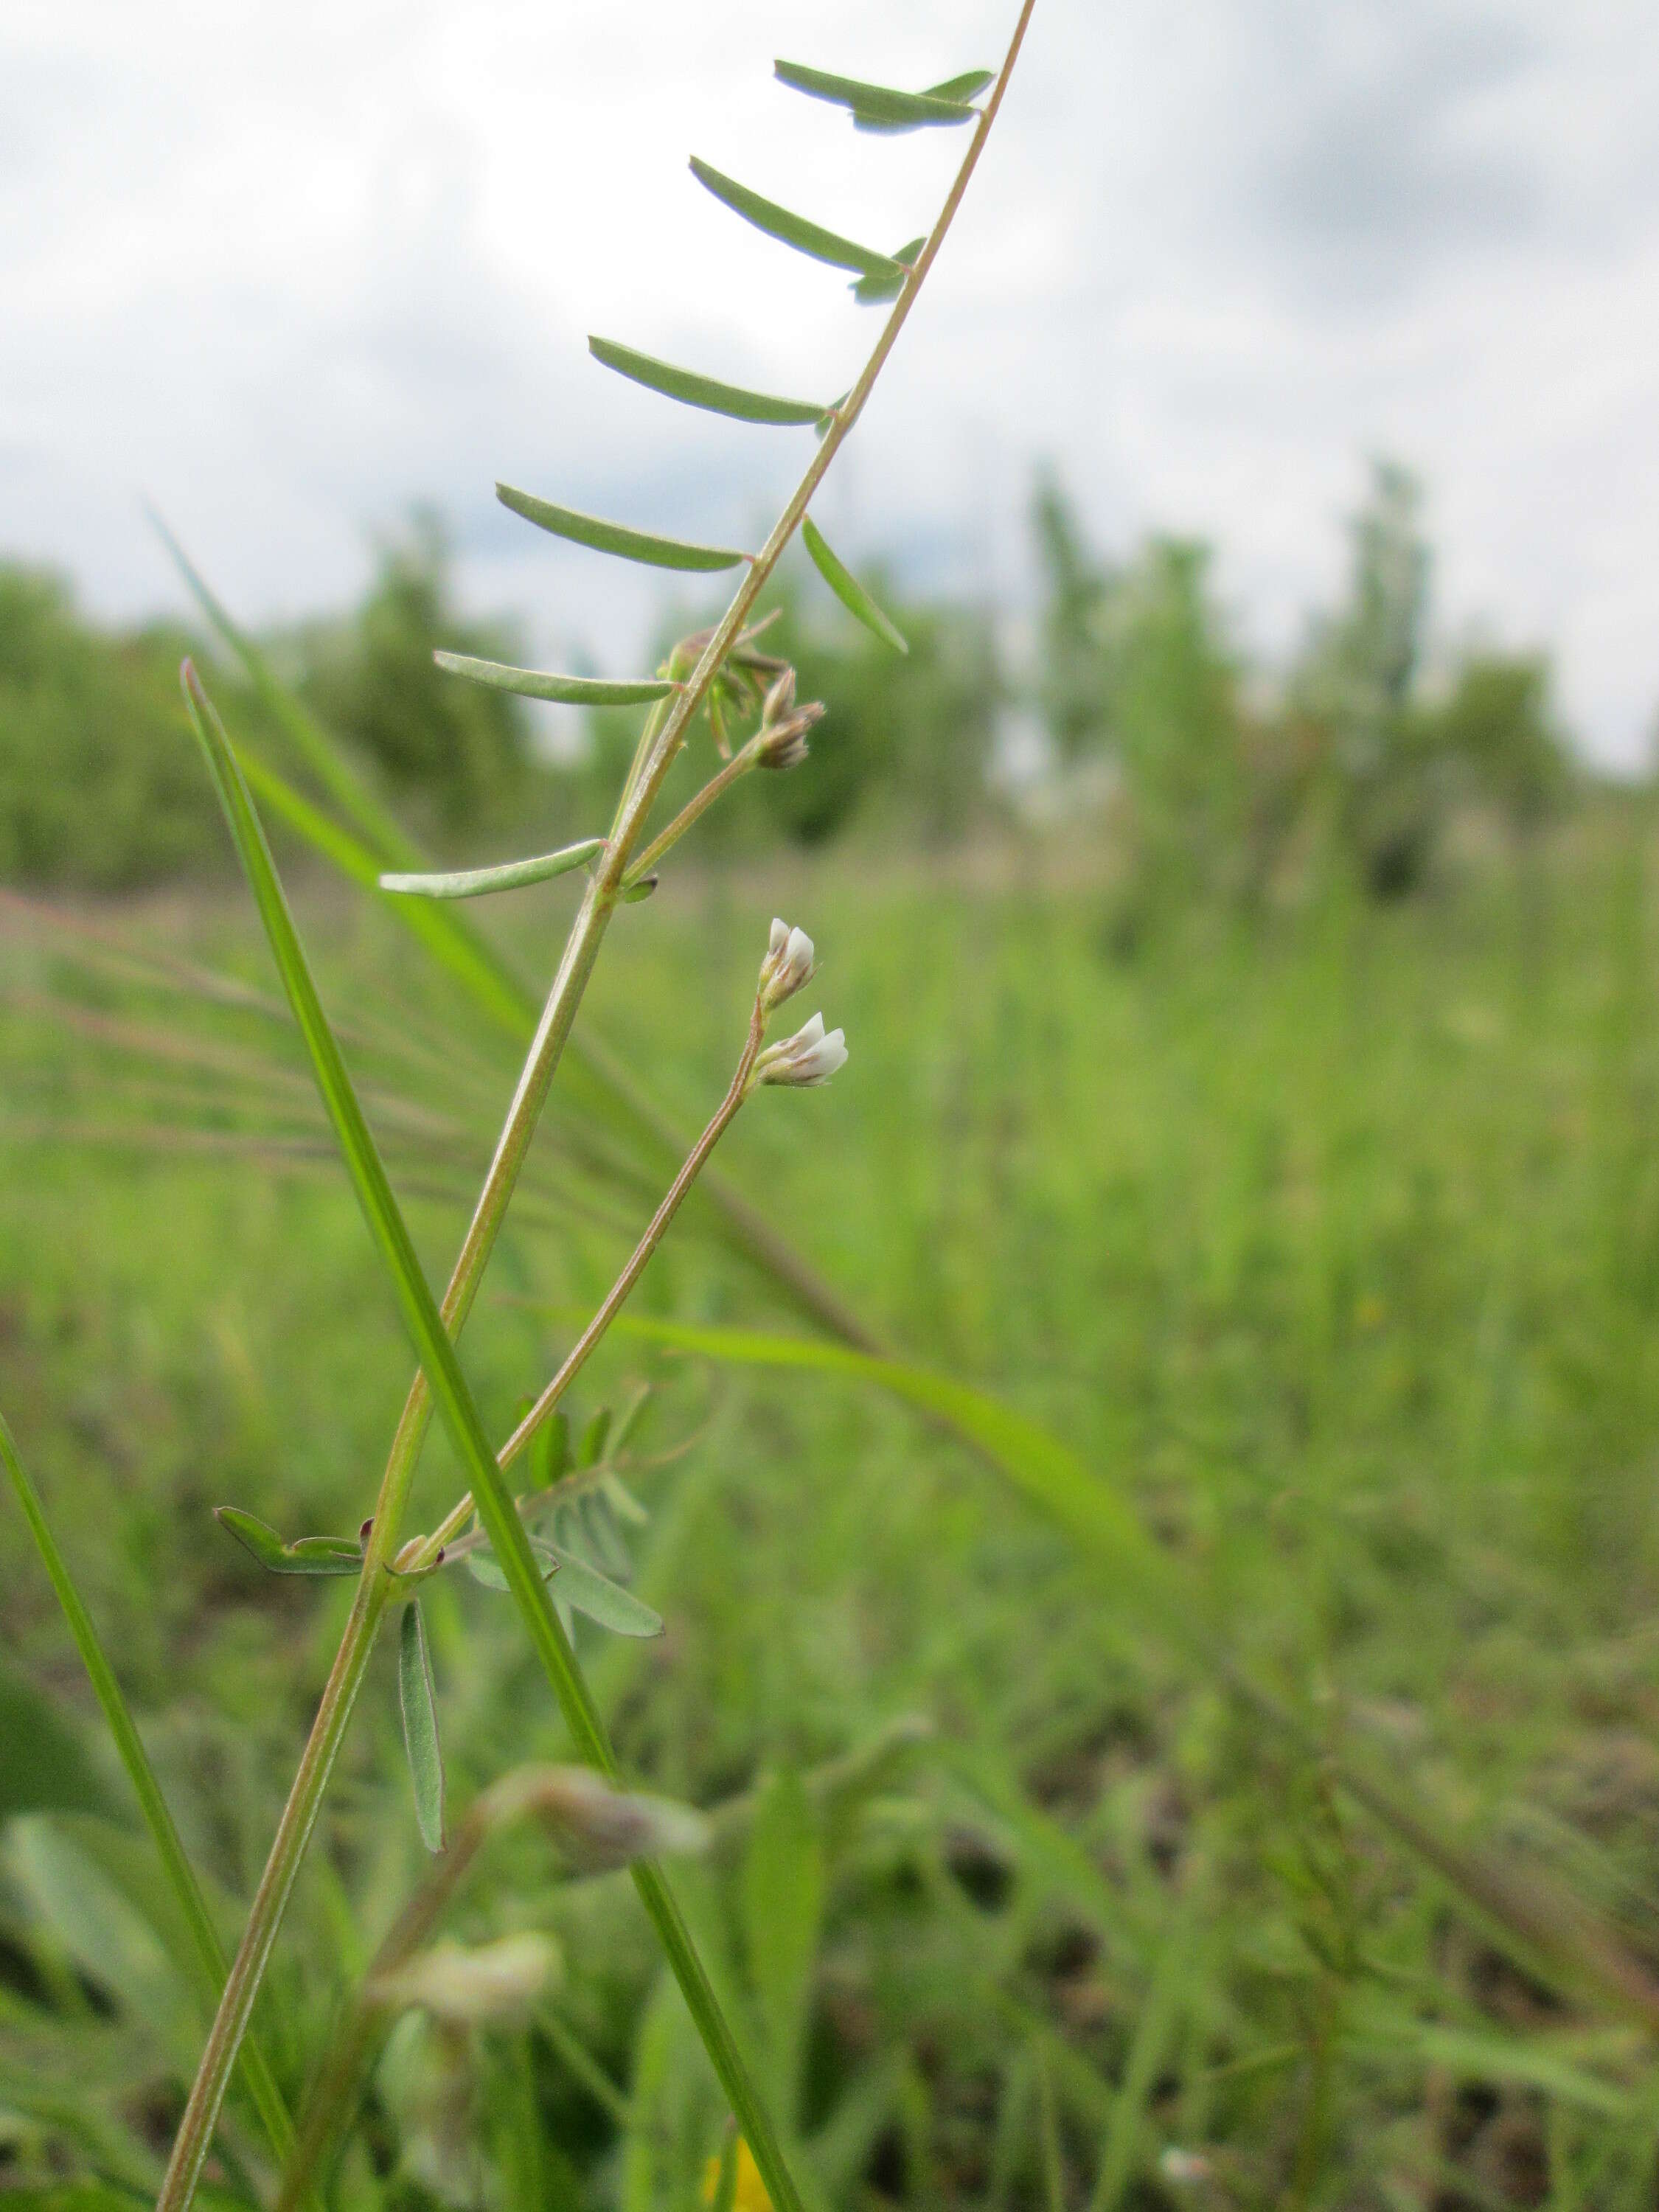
[739,765]
[577,1357]
[659,742]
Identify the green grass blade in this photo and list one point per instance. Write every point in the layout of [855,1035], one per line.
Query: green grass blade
[876,107]
[454,1401]
[1155,2029]
[321,754]
[465,953]
[510,875]
[566,690]
[848,589]
[808,238]
[615,538]
[417,1701]
[705,392]
[209,1962]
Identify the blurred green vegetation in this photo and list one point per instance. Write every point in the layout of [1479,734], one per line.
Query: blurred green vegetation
[1317,1213]
[1332,1239]
[1201,778]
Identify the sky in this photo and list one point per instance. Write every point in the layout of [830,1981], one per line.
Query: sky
[287,271]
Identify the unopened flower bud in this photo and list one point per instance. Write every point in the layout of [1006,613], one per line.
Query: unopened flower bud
[788,964]
[783,744]
[805,1060]
[779,700]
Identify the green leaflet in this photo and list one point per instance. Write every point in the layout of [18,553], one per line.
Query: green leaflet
[876,291]
[566,690]
[510,875]
[874,106]
[847,588]
[808,238]
[604,1602]
[592,1448]
[308,1555]
[706,391]
[485,1567]
[580,1587]
[968,86]
[641,545]
[418,1700]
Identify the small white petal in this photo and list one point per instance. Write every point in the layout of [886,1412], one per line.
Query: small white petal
[779,936]
[808,1035]
[827,1057]
[798,954]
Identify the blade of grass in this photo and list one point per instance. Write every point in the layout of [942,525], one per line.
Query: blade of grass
[494,1500]
[209,1962]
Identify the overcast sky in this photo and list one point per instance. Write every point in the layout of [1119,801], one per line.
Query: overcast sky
[288,270]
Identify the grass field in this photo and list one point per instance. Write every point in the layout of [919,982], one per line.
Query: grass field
[1333,1244]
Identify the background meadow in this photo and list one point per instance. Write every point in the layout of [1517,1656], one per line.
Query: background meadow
[1257,1094]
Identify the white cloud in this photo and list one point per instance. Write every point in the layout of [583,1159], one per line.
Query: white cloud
[289,270]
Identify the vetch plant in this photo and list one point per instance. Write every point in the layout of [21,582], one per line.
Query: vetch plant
[721,677]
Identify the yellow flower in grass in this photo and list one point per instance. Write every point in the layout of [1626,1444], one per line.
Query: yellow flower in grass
[749,2195]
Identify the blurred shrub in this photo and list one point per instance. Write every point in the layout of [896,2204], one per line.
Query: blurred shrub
[1136,666]
[458,748]
[100,786]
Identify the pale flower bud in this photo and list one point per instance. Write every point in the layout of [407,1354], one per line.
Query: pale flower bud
[804,1060]
[780,699]
[788,965]
[783,744]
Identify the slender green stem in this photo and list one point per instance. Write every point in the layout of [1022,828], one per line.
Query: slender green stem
[208,1959]
[577,1357]
[655,755]
[717,786]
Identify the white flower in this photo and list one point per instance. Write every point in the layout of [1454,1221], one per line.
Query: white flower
[788,965]
[807,1058]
